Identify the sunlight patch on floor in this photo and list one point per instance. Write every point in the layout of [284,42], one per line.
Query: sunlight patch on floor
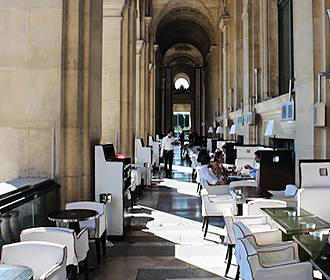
[187,188]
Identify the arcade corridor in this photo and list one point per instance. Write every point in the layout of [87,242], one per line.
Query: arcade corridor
[165,240]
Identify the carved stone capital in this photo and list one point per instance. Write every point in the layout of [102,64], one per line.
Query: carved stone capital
[147,20]
[139,46]
[113,8]
[224,21]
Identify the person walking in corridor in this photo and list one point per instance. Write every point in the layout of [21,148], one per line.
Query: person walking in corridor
[167,152]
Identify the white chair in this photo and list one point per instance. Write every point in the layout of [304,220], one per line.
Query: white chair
[254,223]
[47,260]
[77,245]
[96,227]
[143,160]
[314,191]
[214,205]
[271,263]
[155,145]
[253,207]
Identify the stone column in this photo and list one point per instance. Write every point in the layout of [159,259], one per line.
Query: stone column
[81,94]
[111,64]
[125,141]
[247,64]
[269,50]
[153,90]
[147,115]
[139,77]
[223,25]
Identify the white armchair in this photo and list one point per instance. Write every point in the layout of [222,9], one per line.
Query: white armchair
[97,227]
[254,223]
[77,245]
[214,205]
[253,207]
[314,191]
[47,260]
[271,263]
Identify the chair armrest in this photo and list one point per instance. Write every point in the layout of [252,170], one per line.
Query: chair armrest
[301,271]
[82,245]
[251,220]
[278,255]
[57,272]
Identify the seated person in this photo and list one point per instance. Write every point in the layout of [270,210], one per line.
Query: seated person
[253,170]
[207,175]
[217,166]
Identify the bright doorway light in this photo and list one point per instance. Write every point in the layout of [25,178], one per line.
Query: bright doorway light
[181,83]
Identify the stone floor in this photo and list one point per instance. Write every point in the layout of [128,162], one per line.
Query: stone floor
[165,240]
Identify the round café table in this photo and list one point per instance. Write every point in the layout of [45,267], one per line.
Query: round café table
[15,272]
[73,217]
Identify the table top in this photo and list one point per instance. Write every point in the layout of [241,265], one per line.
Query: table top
[317,247]
[72,215]
[250,192]
[296,223]
[286,212]
[240,177]
[15,272]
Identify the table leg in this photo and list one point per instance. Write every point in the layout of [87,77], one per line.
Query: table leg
[240,209]
[75,226]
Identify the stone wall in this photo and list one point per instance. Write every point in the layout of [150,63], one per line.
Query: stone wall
[30,85]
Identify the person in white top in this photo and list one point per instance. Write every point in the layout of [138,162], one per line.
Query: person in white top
[207,175]
[167,152]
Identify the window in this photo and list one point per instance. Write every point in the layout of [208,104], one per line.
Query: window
[285,37]
[181,83]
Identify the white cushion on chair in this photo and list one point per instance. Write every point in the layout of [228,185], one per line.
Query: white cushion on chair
[253,207]
[47,260]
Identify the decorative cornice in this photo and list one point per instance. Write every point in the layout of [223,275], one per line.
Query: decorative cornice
[224,21]
[113,8]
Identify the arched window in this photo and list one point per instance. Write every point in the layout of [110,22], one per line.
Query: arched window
[181,81]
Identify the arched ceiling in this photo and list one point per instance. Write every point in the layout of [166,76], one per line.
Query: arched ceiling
[185,25]
[183,54]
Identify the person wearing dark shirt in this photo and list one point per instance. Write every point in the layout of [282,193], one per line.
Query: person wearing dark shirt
[202,152]
[181,139]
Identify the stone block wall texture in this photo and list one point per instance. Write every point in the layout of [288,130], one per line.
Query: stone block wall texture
[30,85]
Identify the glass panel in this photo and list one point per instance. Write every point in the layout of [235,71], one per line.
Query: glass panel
[286,212]
[303,224]
[31,214]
